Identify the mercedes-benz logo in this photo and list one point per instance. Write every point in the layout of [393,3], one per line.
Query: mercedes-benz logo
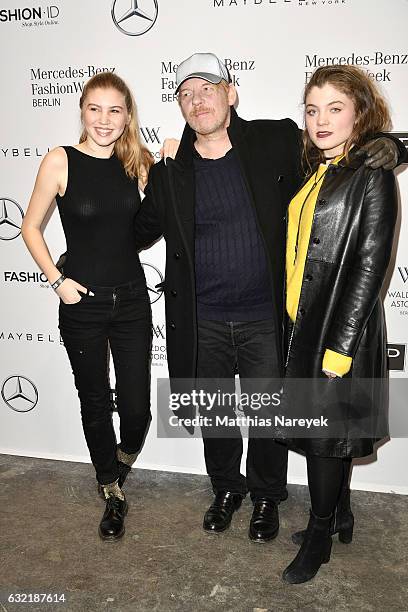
[153,278]
[136,20]
[11,216]
[19,393]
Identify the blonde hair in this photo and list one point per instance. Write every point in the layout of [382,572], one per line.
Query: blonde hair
[135,157]
[372,113]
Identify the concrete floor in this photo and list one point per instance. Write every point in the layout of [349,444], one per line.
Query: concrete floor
[165,562]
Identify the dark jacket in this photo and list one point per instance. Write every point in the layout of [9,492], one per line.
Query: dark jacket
[340,306]
[268,153]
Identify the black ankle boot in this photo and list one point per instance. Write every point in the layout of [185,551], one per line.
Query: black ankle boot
[315,551]
[112,525]
[343,520]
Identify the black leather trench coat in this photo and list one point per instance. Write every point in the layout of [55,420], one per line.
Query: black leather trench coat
[340,306]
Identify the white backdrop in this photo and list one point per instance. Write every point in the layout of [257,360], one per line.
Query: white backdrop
[49,48]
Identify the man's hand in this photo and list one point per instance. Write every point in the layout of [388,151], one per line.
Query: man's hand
[169,148]
[381,153]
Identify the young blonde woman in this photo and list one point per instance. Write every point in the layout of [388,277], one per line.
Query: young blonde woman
[104,303]
[340,234]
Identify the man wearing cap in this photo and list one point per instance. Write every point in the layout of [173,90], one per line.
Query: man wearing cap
[221,205]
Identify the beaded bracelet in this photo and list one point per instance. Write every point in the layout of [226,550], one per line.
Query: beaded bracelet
[58,282]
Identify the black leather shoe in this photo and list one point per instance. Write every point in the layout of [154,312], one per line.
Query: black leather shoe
[219,514]
[264,525]
[124,470]
[112,525]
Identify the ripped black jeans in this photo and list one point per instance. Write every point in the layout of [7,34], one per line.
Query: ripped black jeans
[116,319]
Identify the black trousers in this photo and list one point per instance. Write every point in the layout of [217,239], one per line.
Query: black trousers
[116,319]
[250,349]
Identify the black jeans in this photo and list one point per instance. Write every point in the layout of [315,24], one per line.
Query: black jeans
[250,349]
[119,319]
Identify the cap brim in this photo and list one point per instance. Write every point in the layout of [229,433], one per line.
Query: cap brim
[211,78]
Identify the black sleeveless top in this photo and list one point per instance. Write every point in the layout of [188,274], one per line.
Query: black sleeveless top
[97,213]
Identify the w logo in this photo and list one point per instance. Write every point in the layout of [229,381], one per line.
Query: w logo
[150,135]
[404,273]
[159,332]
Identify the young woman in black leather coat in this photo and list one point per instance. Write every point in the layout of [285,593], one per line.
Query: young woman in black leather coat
[340,234]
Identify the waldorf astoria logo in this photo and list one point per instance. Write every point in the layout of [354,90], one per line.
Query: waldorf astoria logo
[134,17]
[151,135]
[403,272]
[397,294]
[159,352]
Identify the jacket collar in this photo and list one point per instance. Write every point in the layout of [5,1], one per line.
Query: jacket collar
[235,127]
[185,150]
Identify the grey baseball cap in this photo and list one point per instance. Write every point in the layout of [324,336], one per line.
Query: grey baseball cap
[205,66]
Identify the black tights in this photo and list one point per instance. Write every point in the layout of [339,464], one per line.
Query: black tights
[327,476]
